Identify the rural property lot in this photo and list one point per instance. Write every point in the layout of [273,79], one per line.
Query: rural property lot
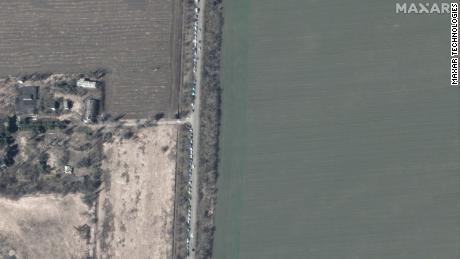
[136,205]
[133,39]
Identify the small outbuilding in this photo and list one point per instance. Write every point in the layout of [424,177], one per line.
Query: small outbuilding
[27,100]
[68,104]
[68,169]
[92,107]
[84,83]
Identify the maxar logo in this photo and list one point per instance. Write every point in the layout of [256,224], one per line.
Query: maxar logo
[422,8]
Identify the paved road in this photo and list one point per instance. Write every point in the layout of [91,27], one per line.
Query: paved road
[195,122]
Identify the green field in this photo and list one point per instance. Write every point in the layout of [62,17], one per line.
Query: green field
[340,134]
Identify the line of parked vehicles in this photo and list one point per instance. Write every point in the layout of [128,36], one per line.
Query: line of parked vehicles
[190,167]
[196,49]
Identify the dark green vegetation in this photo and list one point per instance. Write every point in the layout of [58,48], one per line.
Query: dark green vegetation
[5,245]
[44,145]
[210,101]
[26,167]
[108,223]
[340,133]
[7,137]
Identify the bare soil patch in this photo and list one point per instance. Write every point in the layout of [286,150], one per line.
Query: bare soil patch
[43,227]
[137,203]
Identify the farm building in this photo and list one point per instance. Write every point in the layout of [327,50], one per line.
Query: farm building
[86,83]
[92,107]
[27,100]
[68,104]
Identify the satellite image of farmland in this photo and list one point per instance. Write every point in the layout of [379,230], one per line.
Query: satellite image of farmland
[91,110]
[229,129]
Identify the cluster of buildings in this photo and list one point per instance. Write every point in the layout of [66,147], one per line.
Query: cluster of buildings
[38,107]
[30,103]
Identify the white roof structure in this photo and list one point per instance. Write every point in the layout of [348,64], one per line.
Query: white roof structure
[68,169]
[86,84]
